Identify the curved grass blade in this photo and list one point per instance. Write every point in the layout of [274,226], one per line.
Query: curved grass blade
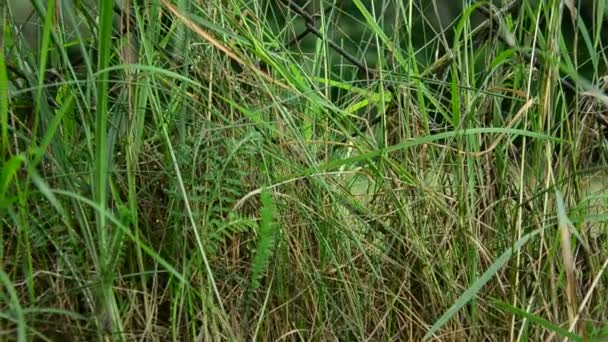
[472,291]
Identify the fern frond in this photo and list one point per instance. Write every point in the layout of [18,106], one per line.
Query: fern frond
[266,241]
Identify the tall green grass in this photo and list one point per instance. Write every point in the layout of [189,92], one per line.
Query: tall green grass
[225,186]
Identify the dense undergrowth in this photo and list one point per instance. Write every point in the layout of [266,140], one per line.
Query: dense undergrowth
[222,184]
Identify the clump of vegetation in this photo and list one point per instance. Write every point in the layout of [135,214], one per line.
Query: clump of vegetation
[382,170]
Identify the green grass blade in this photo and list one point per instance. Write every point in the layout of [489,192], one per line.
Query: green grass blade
[15,305]
[540,321]
[472,291]
[7,173]
[3,104]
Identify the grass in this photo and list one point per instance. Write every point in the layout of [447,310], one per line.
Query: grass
[198,178]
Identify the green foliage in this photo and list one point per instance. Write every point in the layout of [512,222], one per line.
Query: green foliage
[266,240]
[472,291]
[16,309]
[541,322]
[216,175]
[222,185]
[7,174]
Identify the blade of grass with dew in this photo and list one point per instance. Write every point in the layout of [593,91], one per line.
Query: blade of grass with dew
[472,291]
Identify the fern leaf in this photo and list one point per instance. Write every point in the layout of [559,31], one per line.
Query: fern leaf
[266,241]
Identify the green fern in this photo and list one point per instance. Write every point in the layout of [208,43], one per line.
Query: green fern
[266,241]
[214,184]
